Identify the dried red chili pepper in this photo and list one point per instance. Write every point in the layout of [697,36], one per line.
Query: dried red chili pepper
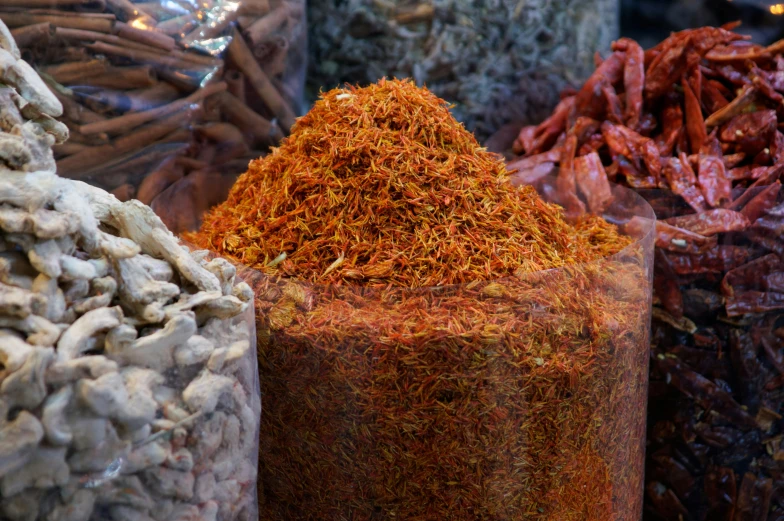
[613,103]
[682,181]
[733,108]
[720,310]
[633,80]
[566,183]
[665,501]
[762,202]
[695,124]
[754,302]
[750,275]
[672,123]
[721,493]
[711,222]
[666,68]
[524,142]
[716,260]
[588,101]
[592,182]
[710,396]
[675,474]
[735,52]
[584,129]
[753,497]
[777,148]
[750,132]
[712,179]
[669,293]
[760,80]
[712,97]
[679,240]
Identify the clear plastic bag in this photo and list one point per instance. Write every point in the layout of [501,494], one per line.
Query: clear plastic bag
[166,100]
[129,383]
[513,399]
[717,334]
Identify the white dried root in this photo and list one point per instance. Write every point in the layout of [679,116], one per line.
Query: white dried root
[124,359]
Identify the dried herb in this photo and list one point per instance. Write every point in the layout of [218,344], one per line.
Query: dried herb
[716,381]
[420,356]
[481,56]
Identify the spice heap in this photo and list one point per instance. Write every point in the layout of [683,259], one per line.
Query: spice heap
[694,125]
[484,57]
[165,101]
[128,384]
[415,360]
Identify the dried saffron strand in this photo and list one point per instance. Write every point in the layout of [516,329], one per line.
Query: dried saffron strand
[403,207]
[377,399]
[422,366]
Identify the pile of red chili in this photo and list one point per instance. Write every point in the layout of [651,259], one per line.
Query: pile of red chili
[694,125]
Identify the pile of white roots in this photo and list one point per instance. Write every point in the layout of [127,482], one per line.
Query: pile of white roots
[128,381]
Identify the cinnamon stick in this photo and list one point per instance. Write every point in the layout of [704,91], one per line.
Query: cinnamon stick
[236,84]
[75,71]
[123,78]
[129,45]
[254,8]
[73,54]
[274,63]
[244,61]
[243,22]
[189,163]
[71,14]
[128,10]
[141,56]
[68,149]
[78,165]
[74,111]
[209,31]
[129,121]
[178,25]
[36,34]
[85,23]
[145,36]
[92,141]
[266,26]
[31,4]
[168,173]
[257,130]
[133,101]
[124,192]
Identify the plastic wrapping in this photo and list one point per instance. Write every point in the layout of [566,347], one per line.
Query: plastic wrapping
[707,152]
[166,101]
[128,375]
[513,399]
[717,371]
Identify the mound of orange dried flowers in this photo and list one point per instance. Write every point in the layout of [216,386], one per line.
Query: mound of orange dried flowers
[416,361]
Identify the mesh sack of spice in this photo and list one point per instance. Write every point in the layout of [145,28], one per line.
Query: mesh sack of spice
[166,101]
[693,125]
[485,57]
[128,379]
[435,343]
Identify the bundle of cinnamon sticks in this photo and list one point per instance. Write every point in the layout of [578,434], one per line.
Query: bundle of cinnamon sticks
[163,103]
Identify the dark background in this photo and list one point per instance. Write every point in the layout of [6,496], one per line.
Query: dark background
[650,21]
